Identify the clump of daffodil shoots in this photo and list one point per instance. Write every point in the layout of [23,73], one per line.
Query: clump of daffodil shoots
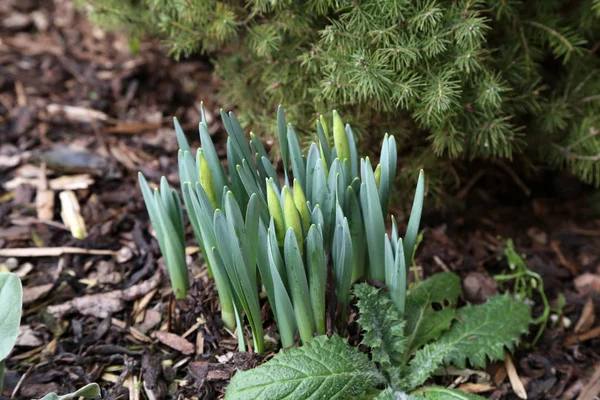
[284,235]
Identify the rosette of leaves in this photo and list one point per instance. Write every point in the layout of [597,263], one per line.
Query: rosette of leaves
[405,349]
[259,231]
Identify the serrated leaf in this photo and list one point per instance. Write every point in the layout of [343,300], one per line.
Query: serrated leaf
[90,391]
[11,303]
[383,326]
[324,368]
[391,394]
[442,393]
[483,332]
[422,366]
[423,323]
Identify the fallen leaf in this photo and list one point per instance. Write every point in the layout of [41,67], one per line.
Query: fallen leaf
[513,377]
[592,388]
[478,287]
[27,337]
[587,283]
[176,342]
[31,294]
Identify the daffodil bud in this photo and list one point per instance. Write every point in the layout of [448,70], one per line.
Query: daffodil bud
[340,139]
[300,201]
[378,175]
[275,211]
[206,180]
[291,216]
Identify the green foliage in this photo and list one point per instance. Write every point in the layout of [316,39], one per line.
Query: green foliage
[324,368]
[255,229]
[483,78]
[479,333]
[89,391]
[423,322]
[11,299]
[525,283]
[483,332]
[382,324]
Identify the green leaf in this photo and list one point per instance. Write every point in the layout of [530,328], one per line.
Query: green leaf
[324,368]
[383,327]
[283,308]
[422,366]
[317,275]
[423,323]
[342,253]
[283,140]
[298,286]
[374,223]
[342,147]
[483,332]
[214,162]
[11,303]
[298,162]
[412,230]
[181,139]
[442,393]
[90,391]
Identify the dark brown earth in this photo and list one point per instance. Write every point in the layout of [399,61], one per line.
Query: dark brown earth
[131,330]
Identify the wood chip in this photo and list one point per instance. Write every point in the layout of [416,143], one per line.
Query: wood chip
[52,252]
[513,377]
[587,319]
[176,342]
[27,337]
[79,114]
[475,388]
[71,214]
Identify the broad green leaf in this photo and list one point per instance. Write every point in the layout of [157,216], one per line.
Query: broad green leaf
[11,303]
[423,322]
[324,368]
[412,230]
[383,327]
[298,285]
[422,366]
[484,331]
[90,391]
[442,393]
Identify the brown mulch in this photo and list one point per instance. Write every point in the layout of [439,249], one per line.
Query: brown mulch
[79,111]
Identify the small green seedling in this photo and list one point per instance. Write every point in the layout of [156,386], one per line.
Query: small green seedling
[525,283]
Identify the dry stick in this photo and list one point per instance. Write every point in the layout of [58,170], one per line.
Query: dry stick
[52,252]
